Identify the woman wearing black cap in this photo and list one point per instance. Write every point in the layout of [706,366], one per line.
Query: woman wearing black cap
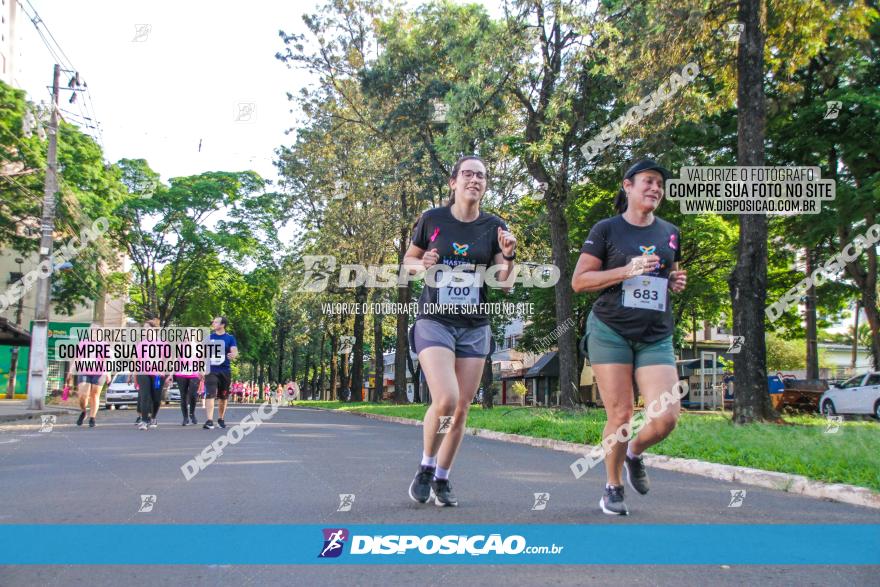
[632,258]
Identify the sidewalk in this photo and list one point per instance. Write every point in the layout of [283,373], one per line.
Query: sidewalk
[16,409]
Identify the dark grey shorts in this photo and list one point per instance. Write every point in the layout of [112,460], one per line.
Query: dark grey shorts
[464,342]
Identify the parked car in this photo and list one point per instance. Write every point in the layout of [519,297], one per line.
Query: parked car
[120,392]
[172,394]
[857,395]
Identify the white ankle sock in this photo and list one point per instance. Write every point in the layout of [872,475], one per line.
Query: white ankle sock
[631,454]
[441,473]
[428,461]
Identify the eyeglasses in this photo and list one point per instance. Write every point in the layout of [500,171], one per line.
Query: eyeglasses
[468,174]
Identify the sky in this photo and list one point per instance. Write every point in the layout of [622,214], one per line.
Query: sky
[165,76]
[192,72]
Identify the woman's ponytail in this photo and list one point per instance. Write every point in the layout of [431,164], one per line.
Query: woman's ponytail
[620,202]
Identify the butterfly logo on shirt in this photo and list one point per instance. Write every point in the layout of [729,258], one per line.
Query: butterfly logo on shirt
[460,249]
[650,251]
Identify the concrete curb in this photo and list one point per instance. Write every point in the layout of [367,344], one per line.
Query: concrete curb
[799,484]
[33,415]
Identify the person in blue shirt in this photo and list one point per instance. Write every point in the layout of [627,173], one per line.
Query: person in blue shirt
[218,379]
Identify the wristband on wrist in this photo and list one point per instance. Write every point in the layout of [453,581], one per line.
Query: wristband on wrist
[510,258]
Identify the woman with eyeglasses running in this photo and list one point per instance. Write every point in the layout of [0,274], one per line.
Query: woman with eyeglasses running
[632,259]
[451,334]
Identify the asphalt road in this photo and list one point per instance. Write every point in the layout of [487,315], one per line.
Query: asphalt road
[292,469]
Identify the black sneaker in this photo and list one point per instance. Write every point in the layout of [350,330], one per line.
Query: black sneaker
[612,502]
[636,474]
[91,422]
[185,421]
[221,423]
[192,418]
[79,421]
[443,496]
[138,421]
[420,488]
[209,425]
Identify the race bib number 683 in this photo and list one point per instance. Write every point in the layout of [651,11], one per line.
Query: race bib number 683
[645,292]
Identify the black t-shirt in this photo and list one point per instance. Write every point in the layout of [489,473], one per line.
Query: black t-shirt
[457,243]
[615,241]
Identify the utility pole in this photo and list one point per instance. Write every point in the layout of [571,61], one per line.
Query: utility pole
[39,356]
[13,353]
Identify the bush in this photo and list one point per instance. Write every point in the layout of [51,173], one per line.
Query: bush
[517,392]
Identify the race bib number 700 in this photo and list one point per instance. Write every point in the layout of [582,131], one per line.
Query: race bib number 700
[645,292]
[461,291]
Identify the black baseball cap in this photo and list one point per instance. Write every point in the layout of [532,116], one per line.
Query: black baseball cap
[646,165]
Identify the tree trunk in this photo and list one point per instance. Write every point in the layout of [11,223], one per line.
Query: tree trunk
[402,347]
[869,303]
[282,334]
[321,363]
[748,282]
[260,382]
[415,374]
[308,366]
[866,281]
[294,352]
[379,359]
[357,367]
[334,348]
[13,373]
[488,396]
[417,386]
[314,382]
[568,363]
[343,377]
[812,343]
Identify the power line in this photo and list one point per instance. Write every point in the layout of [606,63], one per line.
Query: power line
[26,191]
[48,32]
[87,109]
[65,190]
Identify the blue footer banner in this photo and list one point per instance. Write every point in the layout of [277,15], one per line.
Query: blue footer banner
[753,544]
